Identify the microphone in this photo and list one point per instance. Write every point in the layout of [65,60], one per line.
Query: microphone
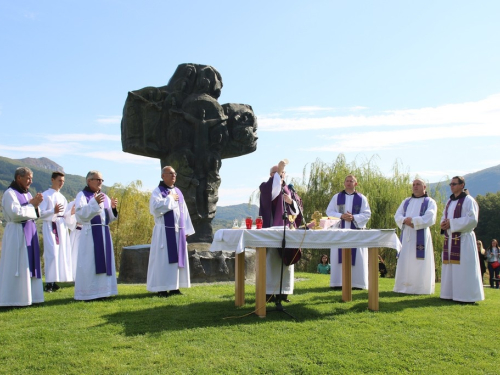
[290,187]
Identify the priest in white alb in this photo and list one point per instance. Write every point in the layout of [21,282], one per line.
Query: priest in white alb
[461,278]
[353,210]
[95,272]
[56,242]
[20,269]
[168,268]
[415,272]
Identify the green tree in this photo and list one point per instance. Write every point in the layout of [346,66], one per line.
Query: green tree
[322,181]
[134,225]
[489,217]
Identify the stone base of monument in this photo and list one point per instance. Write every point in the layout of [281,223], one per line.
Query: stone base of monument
[204,265]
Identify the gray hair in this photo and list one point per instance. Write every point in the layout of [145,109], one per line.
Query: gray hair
[91,174]
[22,171]
[165,168]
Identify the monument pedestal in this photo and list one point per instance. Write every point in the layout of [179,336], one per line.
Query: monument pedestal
[204,266]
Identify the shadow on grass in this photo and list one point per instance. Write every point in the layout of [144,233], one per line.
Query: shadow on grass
[172,317]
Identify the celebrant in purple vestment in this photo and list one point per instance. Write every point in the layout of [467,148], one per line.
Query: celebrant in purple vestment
[461,273]
[20,270]
[352,208]
[274,198]
[415,272]
[95,270]
[168,268]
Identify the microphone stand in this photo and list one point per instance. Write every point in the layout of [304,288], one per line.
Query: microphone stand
[279,307]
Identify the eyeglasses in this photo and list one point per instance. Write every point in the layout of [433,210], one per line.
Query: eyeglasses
[98,179]
[172,173]
[455,183]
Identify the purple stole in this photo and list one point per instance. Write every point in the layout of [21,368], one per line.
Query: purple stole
[420,246]
[56,234]
[454,257]
[101,252]
[356,208]
[31,236]
[176,252]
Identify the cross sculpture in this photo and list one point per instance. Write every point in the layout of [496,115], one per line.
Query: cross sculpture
[184,126]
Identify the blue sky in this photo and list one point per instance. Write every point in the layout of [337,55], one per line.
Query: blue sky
[412,82]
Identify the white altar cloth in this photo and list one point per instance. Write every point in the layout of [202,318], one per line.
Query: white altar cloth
[238,239]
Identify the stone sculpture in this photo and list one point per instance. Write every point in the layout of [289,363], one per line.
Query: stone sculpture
[184,126]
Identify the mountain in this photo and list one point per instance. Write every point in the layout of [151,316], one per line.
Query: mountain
[42,171]
[41,163]
[478,183]
[238,211]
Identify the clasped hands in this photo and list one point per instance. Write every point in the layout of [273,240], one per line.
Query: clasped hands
[408,221]
[445,224]
[347,216]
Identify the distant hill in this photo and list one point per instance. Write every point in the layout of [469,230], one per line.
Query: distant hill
[41,163]
[478,183]
[42,170]
[238,211]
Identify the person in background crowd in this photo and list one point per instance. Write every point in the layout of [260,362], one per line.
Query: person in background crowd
[481,253]
[324,265]
[493,257]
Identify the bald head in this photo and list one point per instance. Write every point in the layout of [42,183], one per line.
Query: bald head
[418,187]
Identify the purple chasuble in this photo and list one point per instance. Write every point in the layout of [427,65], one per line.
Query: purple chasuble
[454,257]
[31,236]
[176,252]
[356,208]
[272,211]
[420,246]
[101,252]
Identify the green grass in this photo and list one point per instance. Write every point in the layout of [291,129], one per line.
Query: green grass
[137,332]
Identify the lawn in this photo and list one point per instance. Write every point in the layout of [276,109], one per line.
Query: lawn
[202,332]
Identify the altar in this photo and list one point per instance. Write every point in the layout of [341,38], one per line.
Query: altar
[239,239]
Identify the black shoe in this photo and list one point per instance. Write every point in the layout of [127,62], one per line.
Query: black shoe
[270,298]
[55,287]
[284,298]
[354,288]
[336,287]
[174,292]
[48,288]
[163,294]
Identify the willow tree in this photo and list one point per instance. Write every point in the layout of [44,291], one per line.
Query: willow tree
[321,181]
[134,225]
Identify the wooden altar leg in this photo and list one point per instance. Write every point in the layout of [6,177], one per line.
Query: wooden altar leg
[346,275]
[239,279]
[260,282]
[373,279]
